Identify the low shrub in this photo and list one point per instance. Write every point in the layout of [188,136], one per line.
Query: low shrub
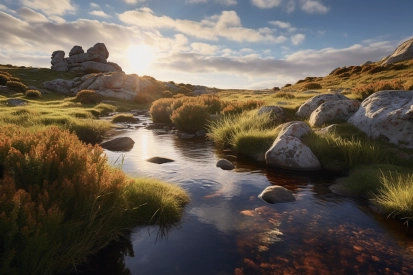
[363,91]
[408,85]
[212,101]
[142,98]
[276,89]
[190,117]
[300,81]
[287,85]
[286,95]
[61,202]
[343,75]
[123,118]
[342,70]
[356,69]
[4,79]
[376,69]
[161,110]
[5,73]
[167,94]
[366,68]
[16,86]
[312,85]
[88,97]
[15,79]
[33,93]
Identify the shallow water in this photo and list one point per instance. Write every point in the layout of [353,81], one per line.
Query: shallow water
[227,229]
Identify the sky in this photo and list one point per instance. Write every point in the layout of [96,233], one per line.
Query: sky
[240,44]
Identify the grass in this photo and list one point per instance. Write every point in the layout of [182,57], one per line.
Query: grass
[365,181]
[248,134]
[396,195]
[61,201]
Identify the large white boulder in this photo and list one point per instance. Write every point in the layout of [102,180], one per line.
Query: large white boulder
[402,53]
[60,86]
[387,115]
[310,105]
[294,129]
[291,153]
[333,110]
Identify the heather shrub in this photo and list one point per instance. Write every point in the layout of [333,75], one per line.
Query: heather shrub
[123,118]
[342,70]
[376,69]
[408,85]
[344,75]
[16,86]
[356,69]
[286,95]
[276,89]
[366,68]
[365,90]
[15,79]
[167,94]
[4,79]
[88,97]
[212,101]
[33,93]
[300,81]
[287,85]
[161,110]
[312,85]
[142,98]
[190,117]
[61,202]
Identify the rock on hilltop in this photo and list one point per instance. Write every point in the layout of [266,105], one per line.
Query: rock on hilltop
[402,53]
[95,59]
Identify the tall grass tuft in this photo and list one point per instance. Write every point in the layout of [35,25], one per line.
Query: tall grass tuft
[396,195]
[61,201]
[248,134]
[16,86]
[339,154]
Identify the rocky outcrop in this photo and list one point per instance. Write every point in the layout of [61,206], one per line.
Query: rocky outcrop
[276,194]
[118,144]
[310,105]
[225,164]
[276,112]
[95,59]
[387,115]
[402,53]
[333,110]
[116,85]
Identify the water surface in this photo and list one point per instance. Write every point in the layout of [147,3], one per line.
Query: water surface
[227,229]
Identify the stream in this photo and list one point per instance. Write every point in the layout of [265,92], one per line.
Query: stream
[227,229]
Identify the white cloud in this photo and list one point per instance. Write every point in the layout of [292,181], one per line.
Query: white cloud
[50,7]
[247,50]
[203,48]
[313,6]
[100,14]
[57,19]
[132,2]
[297,39]
[30,15]
[227,2]
[289,7]
[280,24]
[266,4]
[196,1]
[94,5]
[226,25]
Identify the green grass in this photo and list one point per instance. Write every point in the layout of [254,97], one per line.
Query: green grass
[365,181]
[249,133]
[396,195]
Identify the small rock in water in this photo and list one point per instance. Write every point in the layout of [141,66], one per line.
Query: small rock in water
[225,164]
[200,133]
[276,194]
[159,160]
[186,136]
[118,144]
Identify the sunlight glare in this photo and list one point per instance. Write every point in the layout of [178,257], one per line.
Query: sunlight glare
[140,58]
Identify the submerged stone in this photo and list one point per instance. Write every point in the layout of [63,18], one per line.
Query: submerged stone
[118,144]
[276,194]
[159,160]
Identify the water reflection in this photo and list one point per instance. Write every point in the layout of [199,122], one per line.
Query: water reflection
[227,229]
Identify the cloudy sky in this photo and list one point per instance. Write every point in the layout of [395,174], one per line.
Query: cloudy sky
[217,43]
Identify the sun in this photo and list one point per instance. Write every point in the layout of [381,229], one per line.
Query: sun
[140,58]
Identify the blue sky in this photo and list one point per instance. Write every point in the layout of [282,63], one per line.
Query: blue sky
[250,44]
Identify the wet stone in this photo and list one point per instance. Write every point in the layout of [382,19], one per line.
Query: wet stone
[159,160]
